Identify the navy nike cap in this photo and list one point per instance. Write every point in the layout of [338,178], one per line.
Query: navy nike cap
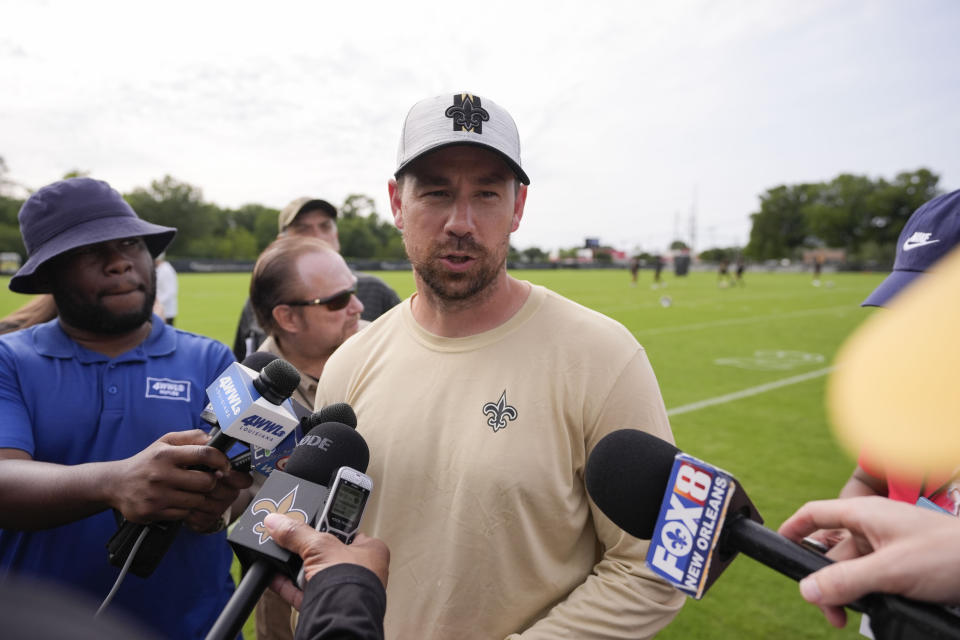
[930,233]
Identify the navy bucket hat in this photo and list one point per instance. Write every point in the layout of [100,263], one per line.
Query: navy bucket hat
[73,213]
[930,233]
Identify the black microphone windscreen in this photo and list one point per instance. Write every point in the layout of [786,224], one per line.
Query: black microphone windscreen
[312,421]
[281,377]
[325,449]
[626,475]
[337,412]
[258,360]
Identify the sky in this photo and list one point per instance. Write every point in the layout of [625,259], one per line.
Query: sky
[640,122]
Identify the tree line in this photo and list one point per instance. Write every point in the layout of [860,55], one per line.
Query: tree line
[857,213]
[205,230]
[862,215]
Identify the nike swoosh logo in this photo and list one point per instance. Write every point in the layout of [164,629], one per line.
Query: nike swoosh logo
[908,245]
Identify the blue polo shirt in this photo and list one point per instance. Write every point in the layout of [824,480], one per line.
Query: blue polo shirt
[64,404]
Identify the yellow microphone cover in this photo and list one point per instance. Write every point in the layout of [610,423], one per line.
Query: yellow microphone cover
[896,390]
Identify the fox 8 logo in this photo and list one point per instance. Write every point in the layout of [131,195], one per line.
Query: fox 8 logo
[693,483]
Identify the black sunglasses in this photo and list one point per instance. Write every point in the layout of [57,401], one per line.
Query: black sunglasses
[334,303]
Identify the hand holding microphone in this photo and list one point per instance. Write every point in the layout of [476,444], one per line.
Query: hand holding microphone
[158,483]
[242,406]
[208,516]
[320,551]
[697,518]
[299,491]
[901,548]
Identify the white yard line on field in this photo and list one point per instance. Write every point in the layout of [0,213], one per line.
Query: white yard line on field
[745,393]
[735,321]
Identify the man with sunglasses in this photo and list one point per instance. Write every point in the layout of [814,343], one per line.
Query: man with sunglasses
[304,296]
[481,397]
[314,218]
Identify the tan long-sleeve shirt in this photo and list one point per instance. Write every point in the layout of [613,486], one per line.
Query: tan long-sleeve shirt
[478,447]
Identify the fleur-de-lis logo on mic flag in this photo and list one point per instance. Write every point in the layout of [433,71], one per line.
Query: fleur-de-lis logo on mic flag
[285,507]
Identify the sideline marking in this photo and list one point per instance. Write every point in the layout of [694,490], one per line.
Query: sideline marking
[771,360]
[746,393]
[735,321]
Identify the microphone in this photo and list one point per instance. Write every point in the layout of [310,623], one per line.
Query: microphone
[705,518]
[256,361]
[298,491]
[264,461]
[254,408]
[243,460]
[338,412]
[258,409]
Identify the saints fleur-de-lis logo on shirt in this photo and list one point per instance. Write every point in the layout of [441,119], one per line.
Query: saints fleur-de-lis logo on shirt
[285,506]
[499,413]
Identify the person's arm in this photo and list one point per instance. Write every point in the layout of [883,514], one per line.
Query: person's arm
[863,484]
[902,549]
[344,595]
[622,598]
[155,484]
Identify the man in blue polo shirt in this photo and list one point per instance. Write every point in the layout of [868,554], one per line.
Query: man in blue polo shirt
[101,411]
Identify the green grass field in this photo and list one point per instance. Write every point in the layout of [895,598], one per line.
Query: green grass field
[708,345]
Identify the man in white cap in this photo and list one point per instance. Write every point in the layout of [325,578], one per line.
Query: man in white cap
[481,397]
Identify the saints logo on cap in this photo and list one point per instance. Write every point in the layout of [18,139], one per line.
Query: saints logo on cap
[467,113]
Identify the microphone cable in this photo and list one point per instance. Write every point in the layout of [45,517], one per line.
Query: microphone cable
[123,572]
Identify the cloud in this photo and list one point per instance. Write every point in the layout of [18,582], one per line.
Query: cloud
[632,115]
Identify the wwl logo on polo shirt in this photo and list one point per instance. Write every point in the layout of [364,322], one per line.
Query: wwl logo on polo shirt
[167,389]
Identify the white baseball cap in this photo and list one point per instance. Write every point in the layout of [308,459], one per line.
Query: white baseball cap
[460,118]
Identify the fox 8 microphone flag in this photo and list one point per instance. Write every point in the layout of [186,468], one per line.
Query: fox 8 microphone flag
[687,531]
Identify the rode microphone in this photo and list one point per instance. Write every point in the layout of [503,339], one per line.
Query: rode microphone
[705,518]
[299,491]
[264,461]
[257,407]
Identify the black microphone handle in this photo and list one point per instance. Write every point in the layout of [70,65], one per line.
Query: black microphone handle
[221,441]
[230,622]
[891,617]
[770,548]
[160,535]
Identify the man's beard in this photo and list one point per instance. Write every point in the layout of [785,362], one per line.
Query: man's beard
[453,287]
[96,318]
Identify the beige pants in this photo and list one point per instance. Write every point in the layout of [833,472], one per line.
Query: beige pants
[273,618]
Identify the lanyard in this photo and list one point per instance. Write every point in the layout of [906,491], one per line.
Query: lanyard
[942,489]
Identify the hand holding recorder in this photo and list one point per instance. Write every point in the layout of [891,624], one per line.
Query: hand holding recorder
[322,550]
